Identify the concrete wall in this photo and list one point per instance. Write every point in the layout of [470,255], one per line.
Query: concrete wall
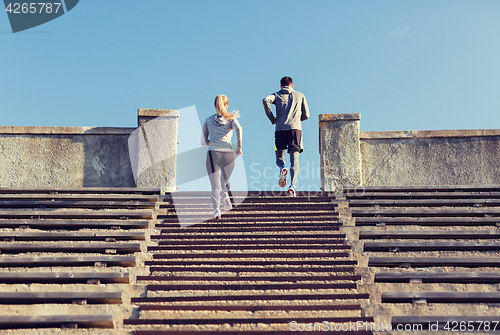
[101,157]
[405,158]
[64,157]
[444,157]
[91,157]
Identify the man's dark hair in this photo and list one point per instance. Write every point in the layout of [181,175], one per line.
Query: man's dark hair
[286,81]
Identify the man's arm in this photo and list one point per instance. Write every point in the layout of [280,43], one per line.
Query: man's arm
[270,99]
[305,110]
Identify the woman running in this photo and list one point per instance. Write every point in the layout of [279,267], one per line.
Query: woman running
[217,133]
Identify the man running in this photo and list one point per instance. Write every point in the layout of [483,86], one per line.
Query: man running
[291,110]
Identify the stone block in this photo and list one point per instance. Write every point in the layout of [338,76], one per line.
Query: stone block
[339,151]
[153,149]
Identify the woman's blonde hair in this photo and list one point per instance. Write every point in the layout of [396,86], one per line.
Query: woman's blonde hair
[221,104]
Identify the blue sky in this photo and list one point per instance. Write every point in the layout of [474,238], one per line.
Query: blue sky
[404,65]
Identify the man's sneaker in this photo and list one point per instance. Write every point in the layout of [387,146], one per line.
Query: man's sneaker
[226,202]
[283,173]
[217,214]
[291,191]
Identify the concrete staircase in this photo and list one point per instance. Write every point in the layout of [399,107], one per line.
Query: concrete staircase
[429,256]
[272,265]
[68,257]
[117,261]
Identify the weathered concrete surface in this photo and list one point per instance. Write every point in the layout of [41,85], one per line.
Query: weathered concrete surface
[446,157]
[147,114]
[404,158]
[118,311]
[92,157]
[339,151]
[153,149]
[64,156]
[382,312]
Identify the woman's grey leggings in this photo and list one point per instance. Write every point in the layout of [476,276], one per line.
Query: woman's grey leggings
[217,162]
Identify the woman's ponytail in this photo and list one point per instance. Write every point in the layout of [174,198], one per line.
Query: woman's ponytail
[221,104]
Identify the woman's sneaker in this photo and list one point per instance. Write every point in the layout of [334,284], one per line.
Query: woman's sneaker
[217,214]
[291,191]
[283,173]
[226,202]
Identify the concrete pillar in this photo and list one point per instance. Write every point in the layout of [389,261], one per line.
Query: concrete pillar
[153,149]
[339,148]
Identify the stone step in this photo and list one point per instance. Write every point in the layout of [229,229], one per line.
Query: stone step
[438,277]
[249,229]
[222,265]
[247,287]
[70,236]
[254,236]
[76,204]
[55,321]
[460,221]
[74,224]
[101,261]
[241,246]
[425,212]
[253,308]
[79,190]
[236,256]
[340,267]
[441,297]
[91,277]
[425,203]
[369,195]
[235,224]
[429,234]
[256,296]
[243,320]
[257,195]
[249,240]
[255,207]
[148,198]
[80,298]
[69,247]
[467,262]
[424,188]
[284,216]
[251,278]
[283,220]
[396,246]
[77,214]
